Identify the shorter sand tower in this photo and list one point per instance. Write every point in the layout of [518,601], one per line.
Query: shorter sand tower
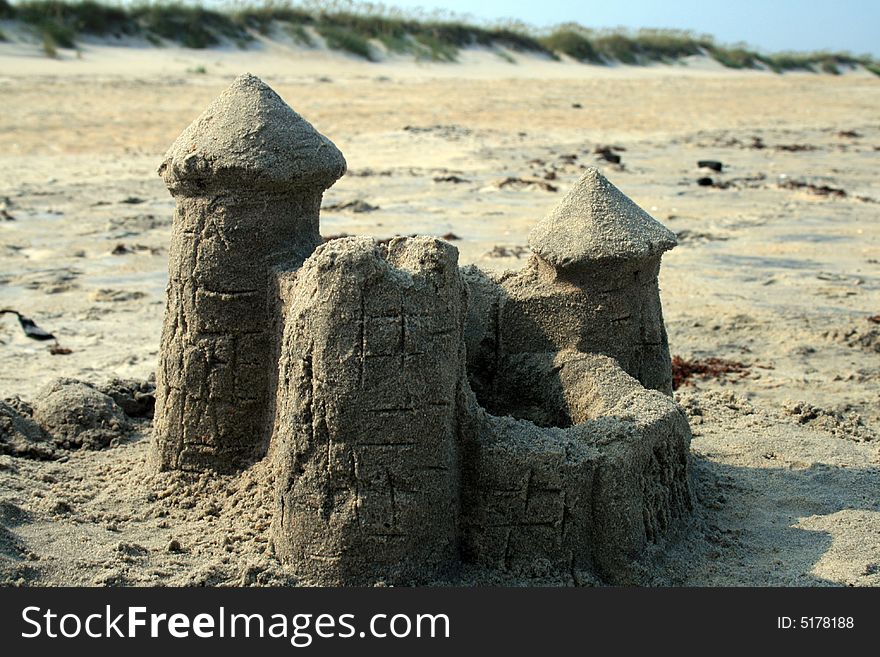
[248,176]
[367,439]
[590,287]
[602,253]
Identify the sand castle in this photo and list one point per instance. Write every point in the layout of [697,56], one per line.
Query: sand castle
[418,415]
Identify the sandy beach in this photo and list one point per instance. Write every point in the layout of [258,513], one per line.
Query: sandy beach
[777,271]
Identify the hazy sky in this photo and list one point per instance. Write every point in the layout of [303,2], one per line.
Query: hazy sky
[771,25]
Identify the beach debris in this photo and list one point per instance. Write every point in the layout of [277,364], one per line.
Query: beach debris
[818,190]
[874,319]
[686,235]
[124,249]
[525,183]
[34,332]
[449,131]
[714,165]
[757,143]
[501,251]
[796,148]
[110,295]
[133,200]
[608,153]
[451,179]
[576,106]
[5,205]
[51,281]
[857,336]
[29,327]
[451,237]
[135,224]
[356,206]
[683,371]
[750,182]
[369,173]
[849,134]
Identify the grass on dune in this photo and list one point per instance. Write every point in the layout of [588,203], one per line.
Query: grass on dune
[340,38]
[354,28]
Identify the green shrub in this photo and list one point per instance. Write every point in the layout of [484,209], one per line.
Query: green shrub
[829,65]
[260,18]
[618,47]
[86,17]
[299,34]
[59,35]
[50,47]
[340,38]
[787,61]
[668,45]
[433,49]
[734,57]
[518,41]
[573,44]
[191,26]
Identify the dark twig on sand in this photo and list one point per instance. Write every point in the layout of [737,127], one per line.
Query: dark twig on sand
[29,327]
[34,332]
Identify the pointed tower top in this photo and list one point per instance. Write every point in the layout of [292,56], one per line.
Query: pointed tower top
[249,137]
[597,222]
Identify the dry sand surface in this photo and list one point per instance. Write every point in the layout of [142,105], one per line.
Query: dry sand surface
[779,277]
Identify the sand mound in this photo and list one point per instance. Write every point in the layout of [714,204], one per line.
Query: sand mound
[77,415]
[20,435]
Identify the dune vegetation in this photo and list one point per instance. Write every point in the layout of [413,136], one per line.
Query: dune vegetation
[369,31]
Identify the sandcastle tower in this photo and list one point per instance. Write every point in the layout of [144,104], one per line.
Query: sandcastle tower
[592,285]
[367,440]
[605,251]
[248,176]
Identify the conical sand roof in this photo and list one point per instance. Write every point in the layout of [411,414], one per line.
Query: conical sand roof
[249,137]
[596,222]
